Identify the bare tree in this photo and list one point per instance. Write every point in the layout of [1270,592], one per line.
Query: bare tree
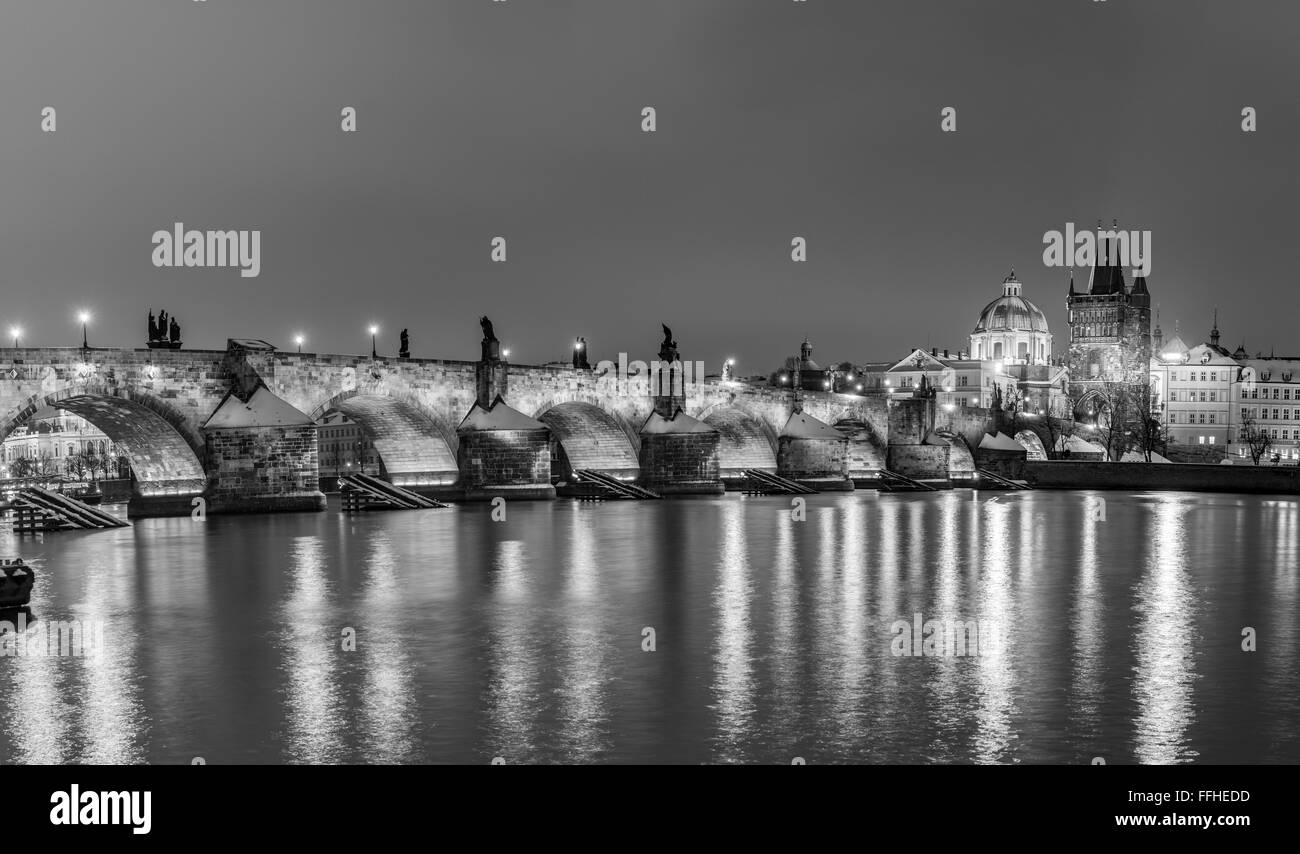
[1148,430]
[1257,439]
[46,465]
[77,464]
[1116,419]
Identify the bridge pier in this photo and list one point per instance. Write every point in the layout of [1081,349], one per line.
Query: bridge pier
[814,454]
[680,455]
[262,457]
[501,453]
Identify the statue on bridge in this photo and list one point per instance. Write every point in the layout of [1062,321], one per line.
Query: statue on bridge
[164,333]
[405,351]
[668,349]
[491,346]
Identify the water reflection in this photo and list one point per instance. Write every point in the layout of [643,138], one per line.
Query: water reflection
[733,658]
[522,640]
[389,715]
[1165,642]
[312,645]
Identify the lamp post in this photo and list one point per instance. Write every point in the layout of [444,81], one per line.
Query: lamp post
[84,317]
[298,339]
[374,330]
[16,332]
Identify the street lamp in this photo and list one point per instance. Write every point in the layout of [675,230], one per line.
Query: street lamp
[16,332]
[84,317]
[298,339]
[505,354]
[374,330]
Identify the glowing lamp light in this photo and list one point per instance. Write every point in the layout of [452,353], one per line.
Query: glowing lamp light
[887,382]
[859,386]
[83,316]
[505,353]
[577,345]
[374,330]
[850,378]
[731,361]
[826,384]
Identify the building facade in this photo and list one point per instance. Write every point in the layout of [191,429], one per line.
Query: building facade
[54,442]
[344,447]
[1268,394]
[1193,390]
[1110,329]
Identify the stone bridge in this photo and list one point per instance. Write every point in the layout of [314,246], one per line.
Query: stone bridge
[237,426]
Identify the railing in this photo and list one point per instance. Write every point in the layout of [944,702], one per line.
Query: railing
[765,483]
[366,492]
[615,487]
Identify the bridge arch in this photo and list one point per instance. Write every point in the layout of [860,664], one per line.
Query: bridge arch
[585,436]
[747,441]
[1091,406]
[164,447]
[415,446]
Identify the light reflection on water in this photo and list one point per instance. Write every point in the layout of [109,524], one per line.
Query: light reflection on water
[523,639]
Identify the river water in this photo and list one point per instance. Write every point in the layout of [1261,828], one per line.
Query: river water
[773,639]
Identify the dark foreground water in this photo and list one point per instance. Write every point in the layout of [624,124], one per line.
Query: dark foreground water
[523,639]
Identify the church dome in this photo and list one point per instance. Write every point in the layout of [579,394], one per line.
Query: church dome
[1011,312]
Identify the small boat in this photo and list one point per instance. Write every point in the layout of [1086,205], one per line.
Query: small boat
[16,580]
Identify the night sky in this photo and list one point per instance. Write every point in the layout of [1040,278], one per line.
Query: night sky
[523,119]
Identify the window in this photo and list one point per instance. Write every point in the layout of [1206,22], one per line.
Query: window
[1202,397]
[1214,377]
[962,381]
[1202,376]
[1211,397]
[1275,393]
[1211,417]
[1202,440]
[1284,434]
[1202,417]
[1275,415]
[1211,438]
[1173,418]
